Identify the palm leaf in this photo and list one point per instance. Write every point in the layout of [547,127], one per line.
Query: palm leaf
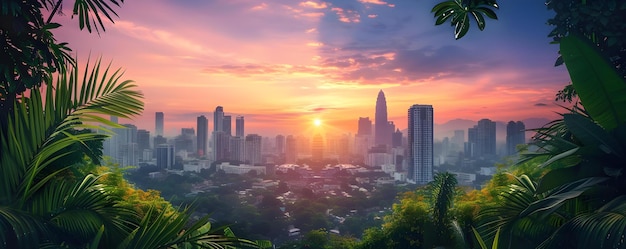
[37,133]
[90,11]
[604,228]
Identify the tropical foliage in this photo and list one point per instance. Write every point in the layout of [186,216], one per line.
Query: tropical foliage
[51,117]
[460,13]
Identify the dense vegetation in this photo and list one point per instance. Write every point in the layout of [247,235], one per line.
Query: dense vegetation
[52,194]
[569,193]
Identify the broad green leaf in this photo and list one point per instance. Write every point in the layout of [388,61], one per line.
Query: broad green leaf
[601,90]
[592,135]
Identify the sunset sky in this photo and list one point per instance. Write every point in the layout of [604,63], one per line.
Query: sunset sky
[284,63]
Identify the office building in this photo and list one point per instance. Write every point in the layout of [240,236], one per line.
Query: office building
[202,125]
[165,156]
[227,125]
[481,140]
[253,149]
[291,149]
[159,126]
[515,135]
[239,129]
[365,126]
[317,147]
[420,142]
[218,119]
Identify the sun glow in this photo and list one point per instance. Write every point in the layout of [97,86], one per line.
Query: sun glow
[317,122]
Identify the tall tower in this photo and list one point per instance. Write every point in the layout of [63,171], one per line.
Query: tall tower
[481,139]
[159,123]
[227,125]
[239,131]
[218,119]
[291,150]
[515,134]
[420,138]
[203,135]
[253,149]
[365,126]
[382,134]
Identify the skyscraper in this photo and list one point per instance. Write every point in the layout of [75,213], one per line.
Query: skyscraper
[382,133]
[280,144]
[365,126]
[291,150]
[239,131]
[143,145]
[481,139]
[165,157]
[218,119]
[420,139]
[159,120]
[397,139]
[227,125]
[515,134]
[143,139]
[253,149]
[317,147]
[203,135]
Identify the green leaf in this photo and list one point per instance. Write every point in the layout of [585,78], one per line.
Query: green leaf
[592,135]
[601,90]
[558,196]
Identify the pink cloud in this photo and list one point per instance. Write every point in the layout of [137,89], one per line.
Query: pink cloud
[314,5]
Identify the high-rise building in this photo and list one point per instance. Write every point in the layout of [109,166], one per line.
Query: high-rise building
[515,134]
[280,144]
[239,130]
[365,126]
[253,149]
[227,125]
[221,146]
[158,140]
[457,141]
[317,147]
[420,141]
[481,140]
[122,145]
[202,125]
[165,156]
[218,119]
[291,149]
[396,139]
[382,133]
[143,140]
[237,149]
[186,140]
[159,120]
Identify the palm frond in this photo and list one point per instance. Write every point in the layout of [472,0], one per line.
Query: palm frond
[604,228]
[39,129]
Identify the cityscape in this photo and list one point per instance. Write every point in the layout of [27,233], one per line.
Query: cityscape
[313,124]
[378,158]
[410,156]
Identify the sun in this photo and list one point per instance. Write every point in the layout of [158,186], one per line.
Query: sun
[317,122]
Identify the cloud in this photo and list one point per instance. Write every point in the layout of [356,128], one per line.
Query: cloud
[347,15]
[261,6]
[162,37]
[314,5]
[541,104]
[379,2]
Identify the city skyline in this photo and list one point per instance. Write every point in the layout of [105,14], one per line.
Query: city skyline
[281,64]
